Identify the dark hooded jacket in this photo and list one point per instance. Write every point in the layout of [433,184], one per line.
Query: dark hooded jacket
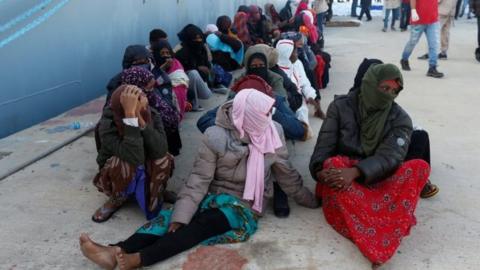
[340,135]
[132,53]
[190,55]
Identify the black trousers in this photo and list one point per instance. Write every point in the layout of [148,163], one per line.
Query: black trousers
[365,10]
[154,248]
[419,146]
[478,30]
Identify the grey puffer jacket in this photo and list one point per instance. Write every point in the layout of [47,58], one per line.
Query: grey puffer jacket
[340,135]
[221,167]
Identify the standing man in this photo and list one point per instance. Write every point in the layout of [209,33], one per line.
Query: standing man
[424,19]
[320,7]
[353,11]
[405,15]
[446,9]
[475,7]
[366,5]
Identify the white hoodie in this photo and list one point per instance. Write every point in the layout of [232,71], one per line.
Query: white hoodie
[296,73]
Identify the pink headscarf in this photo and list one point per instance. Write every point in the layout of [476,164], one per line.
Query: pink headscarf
[251,115]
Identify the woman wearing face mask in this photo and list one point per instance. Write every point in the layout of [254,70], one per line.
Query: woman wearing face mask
[369,193]
[145,80]
[164,60]
[135,55]
[132,157]
[195,59]
[224,196]
[288,61]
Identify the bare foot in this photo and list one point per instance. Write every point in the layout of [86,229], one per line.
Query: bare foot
[127,261]
[101,255]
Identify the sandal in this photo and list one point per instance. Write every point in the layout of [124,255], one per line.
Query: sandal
[429,190]
[104,213]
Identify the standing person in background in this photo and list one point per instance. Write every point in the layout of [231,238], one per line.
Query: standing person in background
[366,4]
[446,10]
[424,19]
[475,7]
[353,12]
[320,7]
[391,6]
[405,15]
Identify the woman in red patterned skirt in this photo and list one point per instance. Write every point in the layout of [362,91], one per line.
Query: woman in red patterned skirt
[369,191]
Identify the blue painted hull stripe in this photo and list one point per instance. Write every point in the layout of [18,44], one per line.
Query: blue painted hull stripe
[33,24]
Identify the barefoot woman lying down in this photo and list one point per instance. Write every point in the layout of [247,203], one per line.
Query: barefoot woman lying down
[223,197]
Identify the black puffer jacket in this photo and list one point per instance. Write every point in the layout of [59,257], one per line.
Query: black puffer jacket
[340,135]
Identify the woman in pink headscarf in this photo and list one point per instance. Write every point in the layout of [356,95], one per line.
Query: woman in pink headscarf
[224,195]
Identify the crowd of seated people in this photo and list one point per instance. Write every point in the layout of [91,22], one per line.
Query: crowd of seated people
[370,164]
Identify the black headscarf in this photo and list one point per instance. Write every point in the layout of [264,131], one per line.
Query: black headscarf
[162,44]
[134,53]
[243,8]
[224,23]
[362,69]
[261,72]
[187,36]
[286,12]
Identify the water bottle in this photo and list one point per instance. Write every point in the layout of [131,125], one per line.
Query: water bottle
[81,125]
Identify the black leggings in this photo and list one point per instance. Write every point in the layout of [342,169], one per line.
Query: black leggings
[153,248]
[419,146]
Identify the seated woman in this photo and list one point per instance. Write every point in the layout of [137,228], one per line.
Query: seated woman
[289,63]
[132,158]
[225,194]
[419,141]
[369,192]
[134,55]
[240,25]
[195,59]
[257,64]
[227,49]
[145,80]
[164,60]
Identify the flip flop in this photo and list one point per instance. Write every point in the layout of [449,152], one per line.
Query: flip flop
[429,191]
[104,213]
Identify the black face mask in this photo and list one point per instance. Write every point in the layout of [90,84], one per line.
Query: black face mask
[261,72]
[162,60]
[197,45]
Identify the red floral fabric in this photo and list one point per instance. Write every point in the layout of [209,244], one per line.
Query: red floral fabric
[375,217]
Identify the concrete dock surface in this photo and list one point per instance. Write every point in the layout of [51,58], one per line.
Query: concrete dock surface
[46,206]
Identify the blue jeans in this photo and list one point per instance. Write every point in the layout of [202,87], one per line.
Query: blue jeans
[321,20]
[387,16]
[405,16]
[292,127]
[432,32]
[353,11]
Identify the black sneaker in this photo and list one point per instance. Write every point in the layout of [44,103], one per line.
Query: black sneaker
[442,56]
[405,65]
[393,28]
[433,72]
[423,57]
[477,54]
[281,208]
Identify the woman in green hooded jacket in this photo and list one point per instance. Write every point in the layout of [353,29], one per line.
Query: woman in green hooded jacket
[369,191]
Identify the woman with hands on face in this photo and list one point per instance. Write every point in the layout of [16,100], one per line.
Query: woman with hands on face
[369,191]
[132,155]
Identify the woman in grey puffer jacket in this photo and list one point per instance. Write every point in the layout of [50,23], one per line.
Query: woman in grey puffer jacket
[224,196]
